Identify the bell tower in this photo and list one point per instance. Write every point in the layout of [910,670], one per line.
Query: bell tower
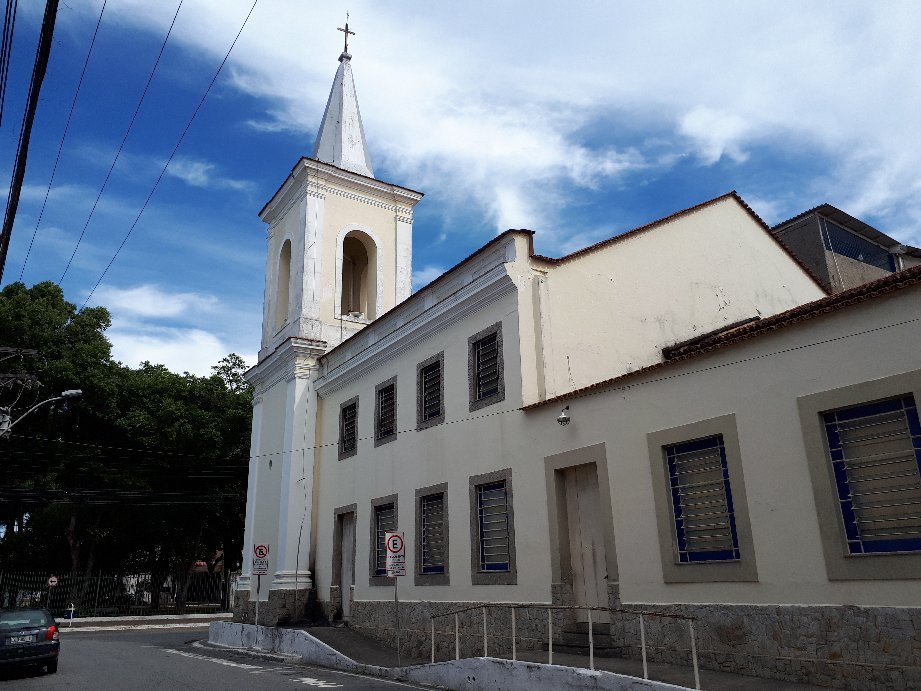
[339,256]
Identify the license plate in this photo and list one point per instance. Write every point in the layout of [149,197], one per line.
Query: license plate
[22,639]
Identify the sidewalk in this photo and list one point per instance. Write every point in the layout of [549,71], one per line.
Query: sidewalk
[366,650]
[156,621]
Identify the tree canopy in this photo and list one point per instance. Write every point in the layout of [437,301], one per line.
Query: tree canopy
[146,472]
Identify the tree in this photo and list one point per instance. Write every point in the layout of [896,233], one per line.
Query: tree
[147,472]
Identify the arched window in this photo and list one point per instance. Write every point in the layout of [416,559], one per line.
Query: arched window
[359,276]
[283,291]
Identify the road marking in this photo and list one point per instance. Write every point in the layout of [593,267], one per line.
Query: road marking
[216,660]
[364,676]
[319,683]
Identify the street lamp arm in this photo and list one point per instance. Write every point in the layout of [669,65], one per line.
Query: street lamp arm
[72,393]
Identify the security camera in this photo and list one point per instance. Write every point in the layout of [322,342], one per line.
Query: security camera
[564,418]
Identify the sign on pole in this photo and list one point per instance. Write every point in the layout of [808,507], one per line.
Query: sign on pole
[396,554]
[52,581]
[260,560]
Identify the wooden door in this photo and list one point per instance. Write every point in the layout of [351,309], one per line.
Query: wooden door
[586,540]
[347,567]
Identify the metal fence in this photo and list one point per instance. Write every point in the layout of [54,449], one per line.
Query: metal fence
[510,633]
[139,594]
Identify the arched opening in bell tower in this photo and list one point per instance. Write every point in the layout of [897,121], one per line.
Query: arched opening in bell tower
[359,276]
[283,289]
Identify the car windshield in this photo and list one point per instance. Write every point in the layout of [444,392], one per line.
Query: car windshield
[22,617]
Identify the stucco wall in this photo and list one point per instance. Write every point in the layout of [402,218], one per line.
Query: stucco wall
[465,444]
[611,311]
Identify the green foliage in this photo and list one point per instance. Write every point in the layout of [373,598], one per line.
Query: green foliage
[146,472]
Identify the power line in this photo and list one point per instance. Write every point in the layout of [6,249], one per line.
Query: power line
[575,396]
[169,160]
[42,52]
[63,136]
[121,146]
[9,26]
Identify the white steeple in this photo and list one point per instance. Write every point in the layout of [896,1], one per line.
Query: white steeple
[341,139]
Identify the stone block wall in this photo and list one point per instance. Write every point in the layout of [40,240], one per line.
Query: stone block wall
[838,646]
[282,607]
[377,619]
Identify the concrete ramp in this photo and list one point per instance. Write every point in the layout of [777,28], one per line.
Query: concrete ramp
[469,674]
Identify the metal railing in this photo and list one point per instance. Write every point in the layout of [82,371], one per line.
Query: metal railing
[550,609]
[137,594]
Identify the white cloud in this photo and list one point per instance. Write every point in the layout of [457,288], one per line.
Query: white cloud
[426,275]
[152,301]
[181,350]
[202,174]
[715,134]
[471,110]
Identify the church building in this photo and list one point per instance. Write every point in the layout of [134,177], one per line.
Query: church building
[687,418]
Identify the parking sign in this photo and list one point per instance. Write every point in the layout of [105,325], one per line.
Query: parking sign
[396,554]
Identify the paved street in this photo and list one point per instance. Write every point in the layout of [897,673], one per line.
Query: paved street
[174,659]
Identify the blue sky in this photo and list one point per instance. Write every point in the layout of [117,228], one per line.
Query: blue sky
[576,120]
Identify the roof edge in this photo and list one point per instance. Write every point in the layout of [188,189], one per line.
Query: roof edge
[863,293]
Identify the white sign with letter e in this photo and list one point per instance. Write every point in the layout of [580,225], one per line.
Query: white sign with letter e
[396,554]
[260,560]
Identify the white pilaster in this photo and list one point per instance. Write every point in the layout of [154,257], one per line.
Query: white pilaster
[249,525]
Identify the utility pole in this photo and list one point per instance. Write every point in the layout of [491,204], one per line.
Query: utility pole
[42,54]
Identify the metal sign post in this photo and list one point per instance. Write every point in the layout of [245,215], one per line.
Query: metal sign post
[396,566]
[52,582]
[260,568]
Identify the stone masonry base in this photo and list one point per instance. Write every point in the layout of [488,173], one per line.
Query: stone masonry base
[837,646]
[282,607]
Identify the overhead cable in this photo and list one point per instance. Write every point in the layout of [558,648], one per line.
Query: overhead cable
[63,136]
[172,154]
[121,146]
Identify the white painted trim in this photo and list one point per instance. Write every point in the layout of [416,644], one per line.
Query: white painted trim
[487,288]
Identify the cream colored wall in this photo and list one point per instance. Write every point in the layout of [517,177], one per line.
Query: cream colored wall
[612,311]
[343,214]
[758,381]
[450,452]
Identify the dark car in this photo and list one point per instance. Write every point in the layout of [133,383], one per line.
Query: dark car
[29,637]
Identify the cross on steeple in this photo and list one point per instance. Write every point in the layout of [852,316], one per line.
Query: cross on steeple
[347,33]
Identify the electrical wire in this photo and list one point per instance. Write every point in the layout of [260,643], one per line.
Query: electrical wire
[602,389]
[57,159]
[121,146]
[172,154]
[6,49]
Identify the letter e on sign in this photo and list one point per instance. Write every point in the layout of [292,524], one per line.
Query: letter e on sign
[396,554]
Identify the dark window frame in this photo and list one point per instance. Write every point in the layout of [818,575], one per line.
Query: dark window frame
[434,578]
[840,565]
[857,543]
[375,578]
[477,574]
[686,554]
[477,400]
[422,423]
[343,451]
[378,439]
[745,569]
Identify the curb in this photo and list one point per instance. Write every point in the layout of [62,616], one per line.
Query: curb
[251,652]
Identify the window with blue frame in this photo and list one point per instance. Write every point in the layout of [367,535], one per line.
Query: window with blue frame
[875,452]
[492,513]
[705,526]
